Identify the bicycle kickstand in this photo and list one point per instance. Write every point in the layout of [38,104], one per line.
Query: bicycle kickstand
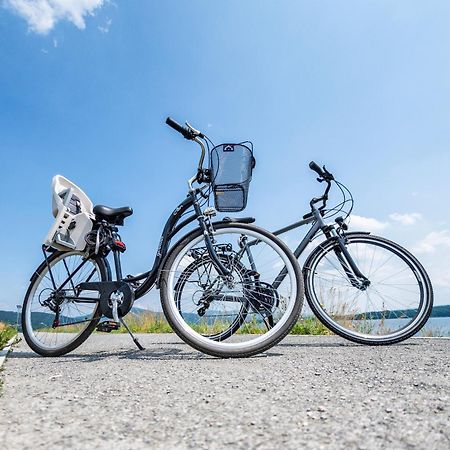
[120,319]
[138,344]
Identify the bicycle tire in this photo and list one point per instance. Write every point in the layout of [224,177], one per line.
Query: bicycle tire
[425,305]
[37,276]
[239,320]
[221,349]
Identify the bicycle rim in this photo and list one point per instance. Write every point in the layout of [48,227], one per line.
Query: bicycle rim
[226,322]
[254,335]
[394,306]
[39,319]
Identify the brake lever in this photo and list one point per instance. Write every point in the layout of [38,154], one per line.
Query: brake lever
[194,131]
[329,174]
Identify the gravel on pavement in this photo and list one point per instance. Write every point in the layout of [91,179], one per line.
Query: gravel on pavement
[307,392]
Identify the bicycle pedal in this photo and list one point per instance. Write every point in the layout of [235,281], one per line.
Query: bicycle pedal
[107,326]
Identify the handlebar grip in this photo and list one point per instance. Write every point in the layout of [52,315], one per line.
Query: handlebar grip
[177,127]
[316,168]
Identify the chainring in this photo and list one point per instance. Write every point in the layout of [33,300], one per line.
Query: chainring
[126,302]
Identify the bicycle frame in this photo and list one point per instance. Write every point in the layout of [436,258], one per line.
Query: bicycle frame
[318,224]
[171,228]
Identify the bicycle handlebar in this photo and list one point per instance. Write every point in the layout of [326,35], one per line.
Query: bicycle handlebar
[326,176]
[191,134]
[323,173]
[182,130]
[316,168]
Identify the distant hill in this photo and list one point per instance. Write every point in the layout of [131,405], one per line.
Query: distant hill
[39,319]
[8,317]
[438,311]
[441,311]
[43,319]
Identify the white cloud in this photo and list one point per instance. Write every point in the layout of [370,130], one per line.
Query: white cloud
[432,241]
[441,279]
[105,28]
[366,224]
[42,15]
[406,219]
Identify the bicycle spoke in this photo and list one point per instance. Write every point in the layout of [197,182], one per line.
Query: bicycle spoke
[220,309]
[74,316]
[386,310]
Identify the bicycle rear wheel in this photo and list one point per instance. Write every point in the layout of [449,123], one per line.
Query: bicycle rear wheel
[54,320]
[244,314]
[395,305]
[229,319]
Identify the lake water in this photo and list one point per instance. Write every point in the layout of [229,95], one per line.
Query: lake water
[440,326]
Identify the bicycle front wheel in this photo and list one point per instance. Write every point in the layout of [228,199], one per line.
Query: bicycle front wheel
[239,315]
[392,307]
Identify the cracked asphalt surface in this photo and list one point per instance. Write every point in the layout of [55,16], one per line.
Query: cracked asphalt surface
[307,392]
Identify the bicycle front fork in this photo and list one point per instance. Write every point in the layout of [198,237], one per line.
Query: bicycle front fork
[206,226]
[355,276]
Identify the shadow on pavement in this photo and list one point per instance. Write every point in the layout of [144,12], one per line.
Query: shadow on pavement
[341,344]
[169,354]
[318,344]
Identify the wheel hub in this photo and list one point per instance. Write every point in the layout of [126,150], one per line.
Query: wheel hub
[364,285]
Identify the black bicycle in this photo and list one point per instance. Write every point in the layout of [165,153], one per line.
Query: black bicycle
[362,287]
[220,284]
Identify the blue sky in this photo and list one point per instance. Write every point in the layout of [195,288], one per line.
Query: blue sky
[363,87]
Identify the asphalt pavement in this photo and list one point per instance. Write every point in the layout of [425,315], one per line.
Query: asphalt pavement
[307,392]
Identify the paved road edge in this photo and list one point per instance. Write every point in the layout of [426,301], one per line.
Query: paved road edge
[7,349]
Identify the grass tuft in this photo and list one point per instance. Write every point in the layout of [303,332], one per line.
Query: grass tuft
[432,332]
[311,326]
[149,322]
[146,322]
[6,333]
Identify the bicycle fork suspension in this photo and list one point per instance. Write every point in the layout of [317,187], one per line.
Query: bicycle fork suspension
[355,276]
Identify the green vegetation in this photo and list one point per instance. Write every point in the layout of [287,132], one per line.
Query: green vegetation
[6,333]
[150,322]
[143,321]
[433,332]
[146,322]
[310,325]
